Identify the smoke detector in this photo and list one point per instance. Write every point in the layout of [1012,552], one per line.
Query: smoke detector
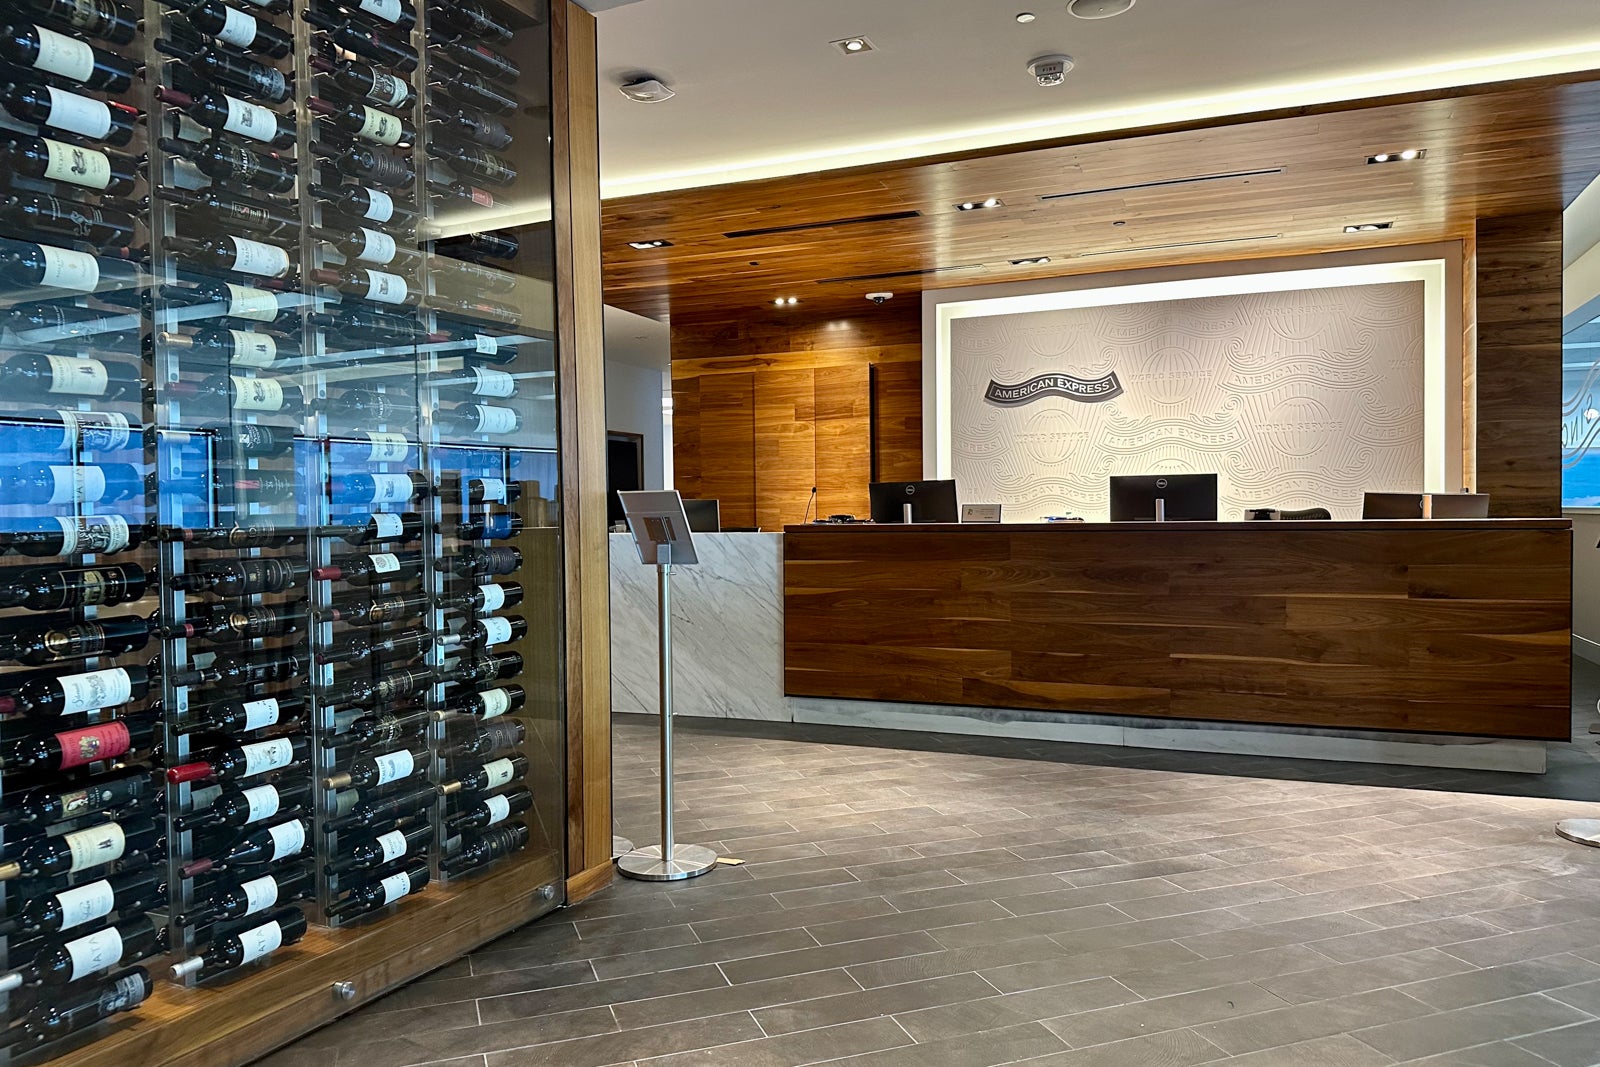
[1050,71]
[646,90]
[1098,9]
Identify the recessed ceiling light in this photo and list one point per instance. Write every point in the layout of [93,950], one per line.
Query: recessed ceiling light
[1031,261]
[1403,155]
[646,89]
[1026,17]
[786,301]
[646,245]
[1098,9]
[853,46]
[1368,227]
[979,205]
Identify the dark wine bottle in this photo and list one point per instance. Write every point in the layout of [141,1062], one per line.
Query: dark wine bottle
[475,163]
[489,777]
[48,323]
[102,226]
[242,761]
[104,19]
[264,536]
[39,646]
[232,209]
[243,716]
[493,490]
[127,892]
[477,419]
[372,568]
[245,75]
[366,772]
[472,127]
[242,255]
[261,394]
[231,899]
[55,588]
[247,304]
[374,811]
[491,811]
[73,694]
[72,483]
[228,163]
[365,122]
[364,488]
[396,13]
[379,610]
[81,850]
[380,528]
[365,43]
[56,161]
[243,577]
[237,672]
[228,624]
[494,630]
[79,1009]
[365,204]
[217,111]
[364,283]
[254,849]
[469,18]
[471,736]
[239,29]
[473,381]
[98,120]
[369,246]
[362,325]
[477,56]
[89,955]
[370,165]
[34,374]
[493,845]
[365,897]
[381,850]
[53,803]
[241,348]
[496,527]
[245,807]
[492,703]
[68,749]
[470,89]
[480,245]
[489,597]
[33,47]
[472,561]
[25,264]
[370,85]
[70,536]
[284,926]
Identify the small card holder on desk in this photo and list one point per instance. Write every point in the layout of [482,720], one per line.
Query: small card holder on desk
[980,512]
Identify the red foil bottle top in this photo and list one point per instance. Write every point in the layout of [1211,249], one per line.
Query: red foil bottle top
[188,772]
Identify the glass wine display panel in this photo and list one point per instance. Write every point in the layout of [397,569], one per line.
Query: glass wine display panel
[280,588]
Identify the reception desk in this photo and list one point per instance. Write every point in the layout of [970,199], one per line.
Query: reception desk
[1421,628]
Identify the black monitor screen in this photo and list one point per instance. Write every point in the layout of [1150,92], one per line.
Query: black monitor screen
[930,501]
[1391,505]
[705,516]
[1188,497]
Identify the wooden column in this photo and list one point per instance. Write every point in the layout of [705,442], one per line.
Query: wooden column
[576,203]
[1518,373]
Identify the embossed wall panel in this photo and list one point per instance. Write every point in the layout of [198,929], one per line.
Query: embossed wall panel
[1294,399]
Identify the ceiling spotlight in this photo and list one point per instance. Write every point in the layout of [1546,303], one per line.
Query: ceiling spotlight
[1098,9]
[646,89]
[853,46]
[1405,155]
[1031,261]
[647,245]
[1026,17]
[979,205]
[786,301]
[1368,227]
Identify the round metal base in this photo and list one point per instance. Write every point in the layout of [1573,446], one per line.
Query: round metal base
[1582,831]
[620,846]
[646,864]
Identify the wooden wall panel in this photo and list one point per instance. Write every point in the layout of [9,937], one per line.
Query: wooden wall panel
[727,445]
[787,438]
[1518,365]
[844,439]
[1427,627]
[899,428]
[686,437]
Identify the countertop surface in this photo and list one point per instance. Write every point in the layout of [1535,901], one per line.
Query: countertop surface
[1387,525]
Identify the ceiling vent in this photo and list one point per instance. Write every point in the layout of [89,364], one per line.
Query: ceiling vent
[858,220]
[1162,183]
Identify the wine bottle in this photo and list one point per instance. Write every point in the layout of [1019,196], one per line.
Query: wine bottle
[243,716]
[89,955]
[241,255]
[383,849]
[496,527]
[241,577]
[365,897]
[236,672]
[477,56]
[372,568]
[364,283]
[54,803]
[81,850]
[364,488]
[366,772]
[72,484]
[398,14]
[228,624]
[25,265]
[245,75]
[53,588]
[267,535]
[475,163]
[394,685]
[39,646]
[367,324]
[67,431]
[364,43]
[262,394]
[475,562]
[473,381]
[239,29]
[285,926]
[485,668]
[68,749]
[493,845]
[366,204]
[127,892]
[469,18]
[60,109]
[244,807]
[242,761]
[480,245]
[477,419]
[231,209]
[245,303]
[55,322]
[382,527]
[79,1009]
[365,122]
[227,162]
[33,47]
[218,111]
[232,898]
[470,89]
[493,490]
[104,19]
[374,811]
[33,374]
[241,348]
[491,703]
[369,246]
[489,597]
[73,694]
[494,630]
[490,811]
[254,849]
[470,736]
[56,161]
[102,226]
[489,777]
[70,536]
[378,610]
[367,84]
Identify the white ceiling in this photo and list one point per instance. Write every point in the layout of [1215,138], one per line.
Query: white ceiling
[634,339]
[762,93]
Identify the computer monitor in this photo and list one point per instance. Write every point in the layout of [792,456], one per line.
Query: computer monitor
[1391,505]
[1188,497]
[930,501]
[705,516]
[1458,505]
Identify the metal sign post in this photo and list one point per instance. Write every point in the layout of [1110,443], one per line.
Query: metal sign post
[661,532]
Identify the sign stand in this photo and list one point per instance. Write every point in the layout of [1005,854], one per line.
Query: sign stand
[1580,831]
[661,533]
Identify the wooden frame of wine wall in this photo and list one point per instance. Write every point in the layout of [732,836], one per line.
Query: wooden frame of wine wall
[303,678]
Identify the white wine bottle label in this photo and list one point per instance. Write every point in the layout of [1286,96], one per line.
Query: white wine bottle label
[258,305]
[186,175]
[389,488]
[94,846]
[252,349]
[389,448]
[78,375]
[394,766]
[499,810]
[389,525]
[257,394]
[259,713]
[493,489]
[238,28]
[76,485]
[384,563]
[392,845]
[93,533]
[262,260]
[95,431]
[495,702]
[262,802]
[387,10]
[95,690]
[259,894]
[94,953]
[386,288]
[78,114]
[376,246]
[288,839]
[495,420]
[496,631]
[379,127]
[493,596]
[259,941]
[497,773]
[388,89]
[396,886]
[380,205]
[250,120]
[85,903]
[485,345]
[66,269]
[60,54]
[486,381]
[264,756]
[79,166]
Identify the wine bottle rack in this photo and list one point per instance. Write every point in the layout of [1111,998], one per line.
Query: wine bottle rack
[280,392]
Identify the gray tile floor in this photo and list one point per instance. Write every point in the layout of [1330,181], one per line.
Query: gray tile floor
[919,901]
